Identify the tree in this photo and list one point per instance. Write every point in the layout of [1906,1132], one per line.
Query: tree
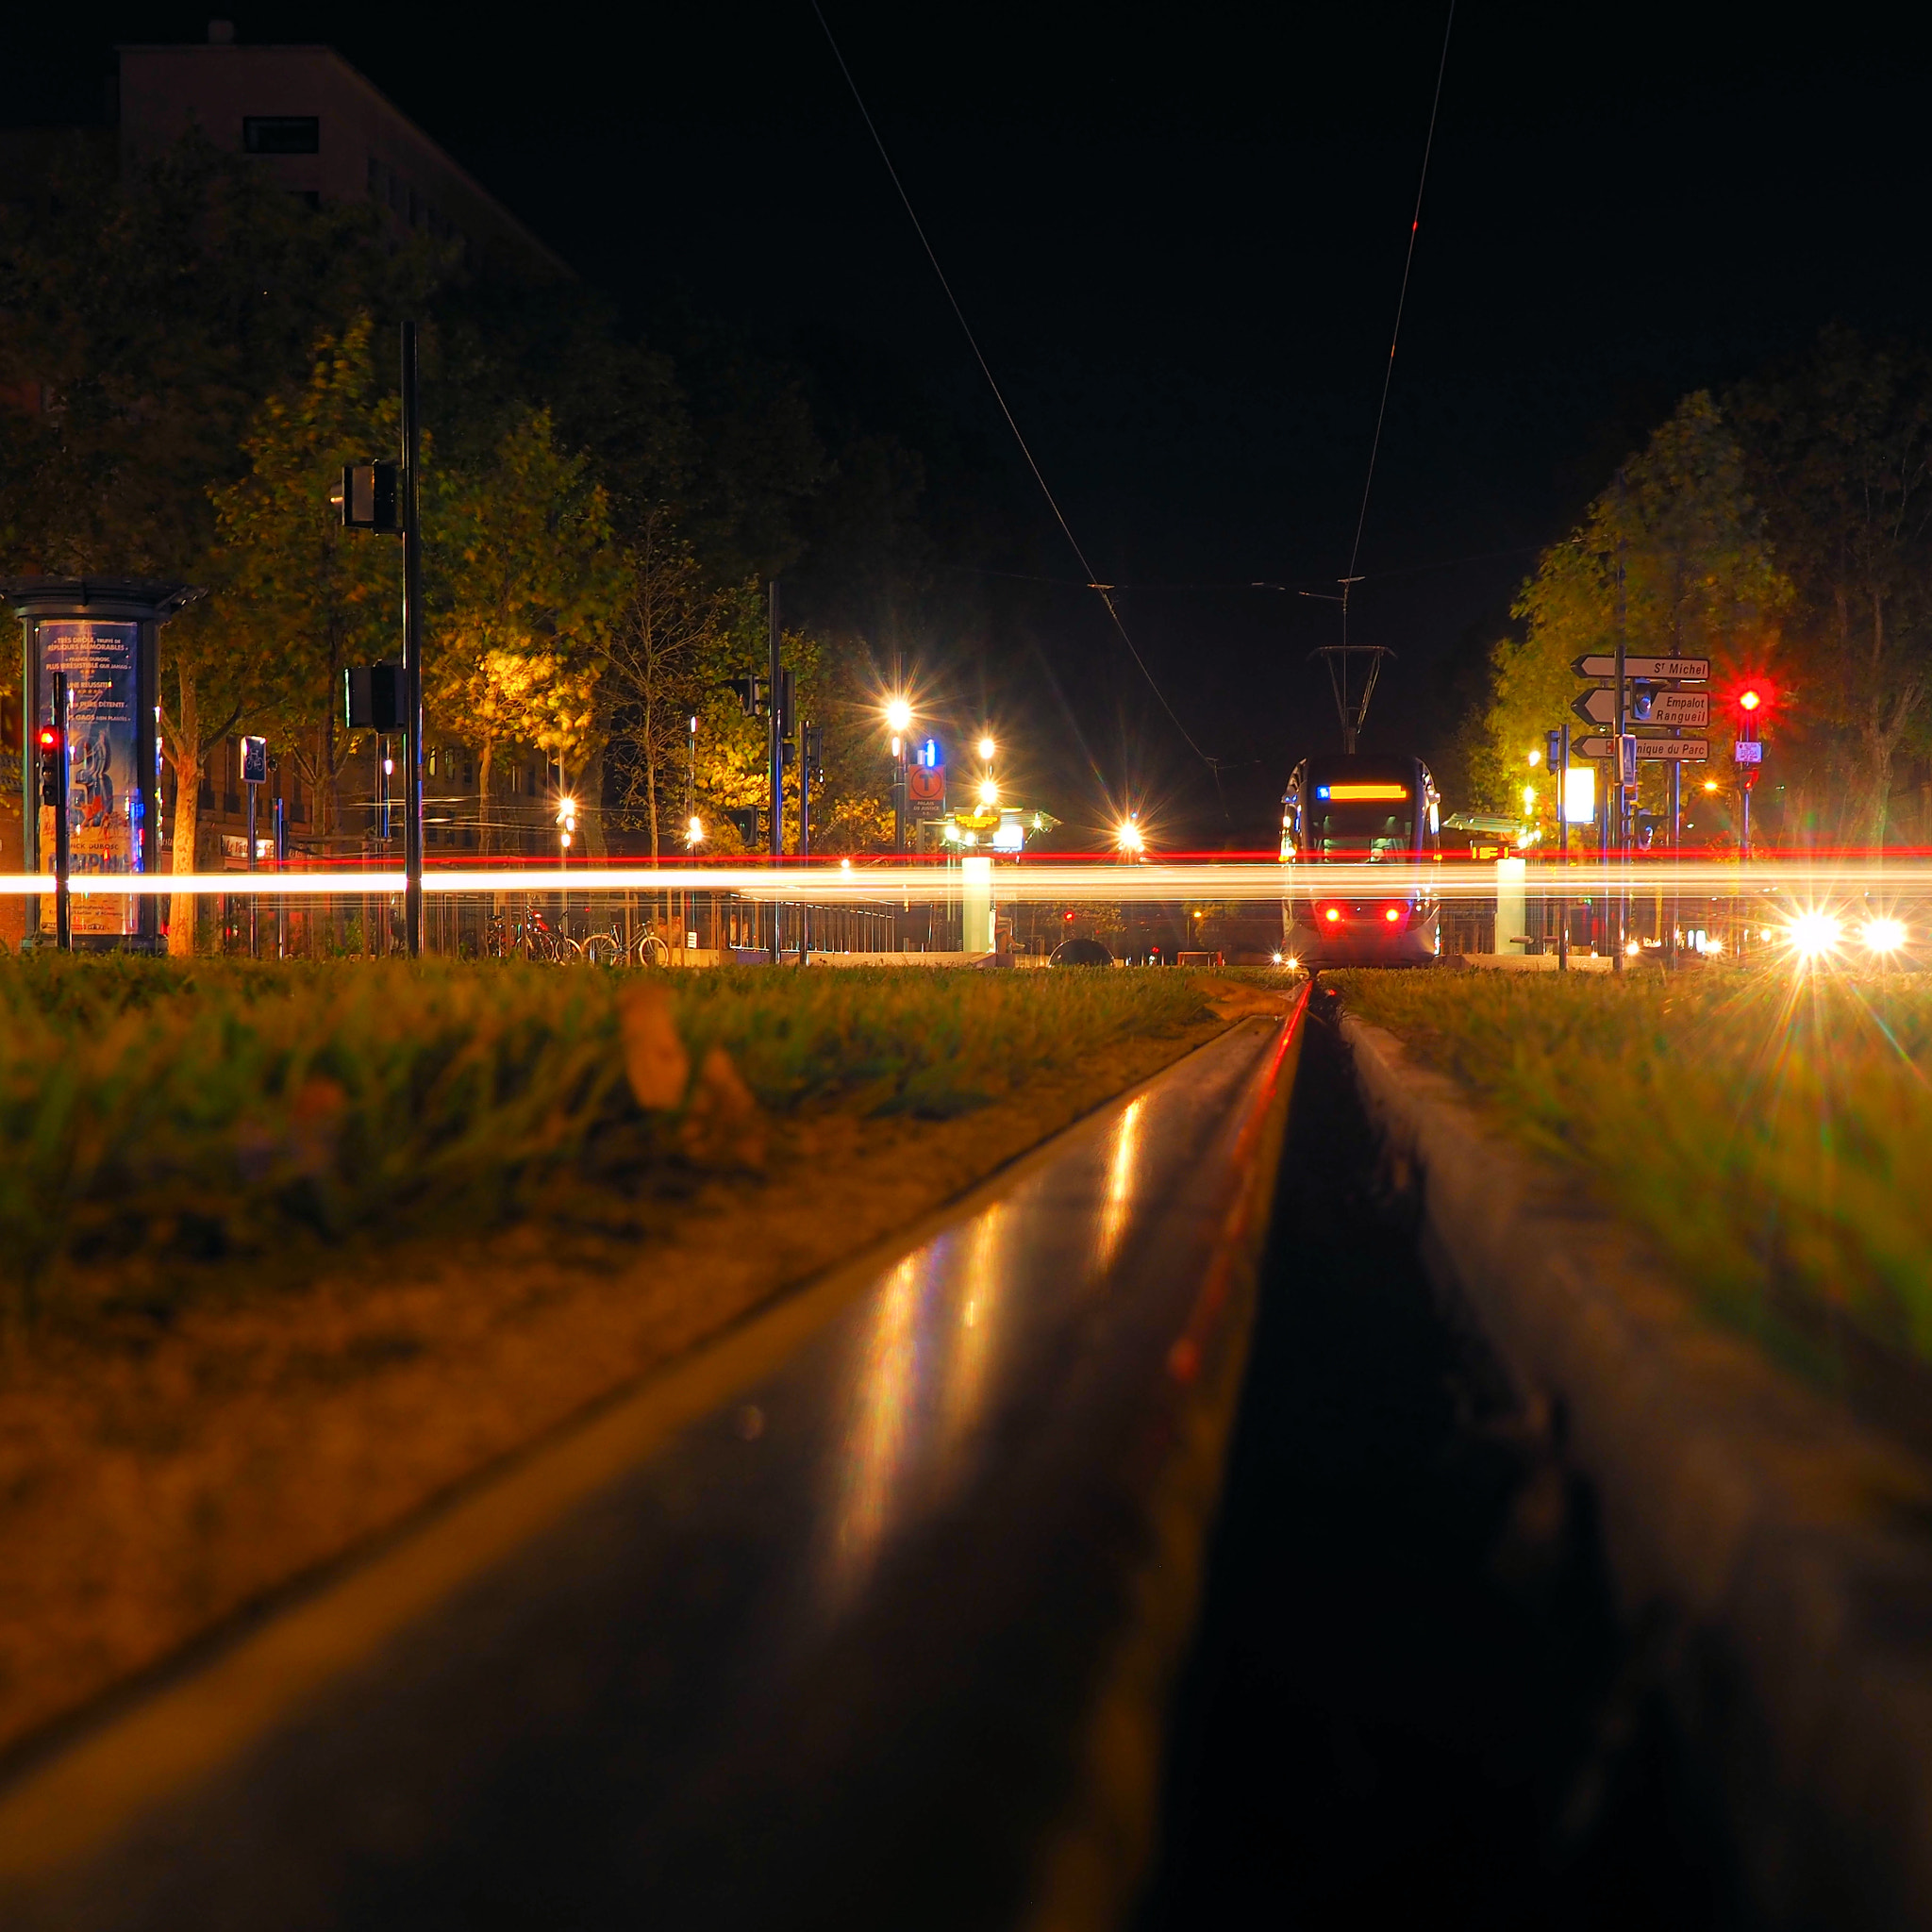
[301,598]
[526,584]
[663,657]
[1839,447]
[153,310]
[1679,545]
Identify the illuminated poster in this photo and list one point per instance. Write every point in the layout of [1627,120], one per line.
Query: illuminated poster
[103,802]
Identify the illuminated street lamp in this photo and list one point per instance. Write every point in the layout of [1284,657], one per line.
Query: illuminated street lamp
[987,748]
[566,831]
[899,715]
[694,831]
[989,790]
[1130,838]
[1814,934]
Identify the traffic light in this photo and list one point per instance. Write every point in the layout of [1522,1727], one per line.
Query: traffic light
[814,750]
[370,497]
[1751,704]
[48,761]
[375,698]
[750,695]
[1641,698]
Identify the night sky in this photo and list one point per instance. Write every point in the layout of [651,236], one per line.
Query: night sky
[1179,235]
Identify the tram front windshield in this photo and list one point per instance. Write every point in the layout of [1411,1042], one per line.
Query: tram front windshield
[1358,829]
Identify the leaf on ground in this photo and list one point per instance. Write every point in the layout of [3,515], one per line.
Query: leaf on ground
[655,1060]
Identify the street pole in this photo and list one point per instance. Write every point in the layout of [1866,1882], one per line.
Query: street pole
[63,866]
[1563,851]
[253,788]
[412,654]
[1616,923]
[281,866]
[1677,841]
[775,741]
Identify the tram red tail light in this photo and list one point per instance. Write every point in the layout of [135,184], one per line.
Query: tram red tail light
[1393,914]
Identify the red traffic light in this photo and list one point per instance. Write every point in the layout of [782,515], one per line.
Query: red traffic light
[49,738]
[1750,700]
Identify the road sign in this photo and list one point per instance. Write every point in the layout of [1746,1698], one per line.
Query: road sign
[1748,751]
[1696,669]
[1671,707]
[1692,750]
[926,792]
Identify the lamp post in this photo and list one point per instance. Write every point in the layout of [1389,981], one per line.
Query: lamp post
[566,830]
[899,721]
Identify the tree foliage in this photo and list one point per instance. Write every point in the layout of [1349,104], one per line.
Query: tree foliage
[1675,555]
[1839,451]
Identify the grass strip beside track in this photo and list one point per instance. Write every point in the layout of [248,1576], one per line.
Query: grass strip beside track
[1771,1133]
[159,1126]
[245,1331]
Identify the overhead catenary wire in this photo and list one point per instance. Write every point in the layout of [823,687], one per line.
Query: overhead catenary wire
[1402,297]
[1104,591]
[1336,657]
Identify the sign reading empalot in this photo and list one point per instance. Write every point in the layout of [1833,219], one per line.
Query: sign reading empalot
[104,794]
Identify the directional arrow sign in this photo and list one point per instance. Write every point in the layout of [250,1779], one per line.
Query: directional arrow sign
[1692,750]
[1696,669]
[1673,708]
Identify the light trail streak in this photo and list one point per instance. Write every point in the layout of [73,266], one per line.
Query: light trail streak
[1806,882]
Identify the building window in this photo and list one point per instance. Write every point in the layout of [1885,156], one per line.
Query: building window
[281,134]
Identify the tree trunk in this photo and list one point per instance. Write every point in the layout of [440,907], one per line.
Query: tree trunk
[590,788]
[188,764]
[485,758]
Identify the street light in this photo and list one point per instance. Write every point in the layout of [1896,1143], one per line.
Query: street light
[694,830]
[1128,837]
[986,748]
[989,790]
[899,715]
[1814,934]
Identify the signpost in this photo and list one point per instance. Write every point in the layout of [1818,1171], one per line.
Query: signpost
[1675,708]
[254,775]
[1696,670]
[1693,750]
[926,783]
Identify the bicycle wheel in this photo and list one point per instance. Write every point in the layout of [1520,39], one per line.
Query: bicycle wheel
[652,951]
[603,949]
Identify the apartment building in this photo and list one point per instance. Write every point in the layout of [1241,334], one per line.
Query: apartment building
[325,133]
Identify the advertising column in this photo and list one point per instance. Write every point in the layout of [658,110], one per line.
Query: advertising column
[106,800]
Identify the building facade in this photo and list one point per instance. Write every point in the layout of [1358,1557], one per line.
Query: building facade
[325,133]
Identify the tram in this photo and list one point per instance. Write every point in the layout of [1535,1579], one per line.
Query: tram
[1360,811]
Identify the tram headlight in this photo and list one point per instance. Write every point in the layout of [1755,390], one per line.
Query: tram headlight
[1882,936]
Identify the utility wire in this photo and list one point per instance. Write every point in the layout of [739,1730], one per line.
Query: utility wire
[1104,592]
[1407,262]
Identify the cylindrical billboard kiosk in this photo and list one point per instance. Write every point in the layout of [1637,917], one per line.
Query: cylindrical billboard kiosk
[101,633]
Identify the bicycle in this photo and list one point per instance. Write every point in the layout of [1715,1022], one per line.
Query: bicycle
[528,936]
[608,948]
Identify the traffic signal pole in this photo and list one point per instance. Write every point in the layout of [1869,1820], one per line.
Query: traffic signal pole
[413,656]
[774,742]
[1617,824]
[63,864]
